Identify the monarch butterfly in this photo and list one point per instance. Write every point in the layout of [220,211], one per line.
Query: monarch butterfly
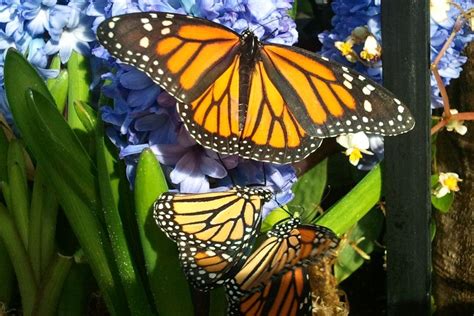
[287,294]
[266,102]
[213,230]
[273,280]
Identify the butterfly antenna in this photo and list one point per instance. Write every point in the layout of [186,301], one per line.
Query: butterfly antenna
[228,171]
[269,35]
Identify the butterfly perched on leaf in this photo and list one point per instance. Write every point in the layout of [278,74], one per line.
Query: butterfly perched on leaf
[274,279]
[237,95]
[213,231]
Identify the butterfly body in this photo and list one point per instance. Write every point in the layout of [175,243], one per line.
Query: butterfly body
[238,95]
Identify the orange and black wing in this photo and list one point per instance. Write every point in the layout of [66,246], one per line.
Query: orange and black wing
[289,294]
[328,99]
[213,231]
[272,132]
[288,246]
[181,53]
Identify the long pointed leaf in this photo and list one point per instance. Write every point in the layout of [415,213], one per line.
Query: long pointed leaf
[167,281]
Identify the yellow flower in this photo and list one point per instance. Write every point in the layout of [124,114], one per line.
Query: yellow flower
[344,47]
[448,182]
[455,125]
[356,144]
[372,50]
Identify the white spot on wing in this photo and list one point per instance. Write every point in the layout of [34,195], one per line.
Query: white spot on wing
[144,42]
[148,27]
[165,31]
[367,106]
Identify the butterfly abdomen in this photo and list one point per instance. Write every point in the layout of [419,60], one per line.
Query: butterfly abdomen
[248,54]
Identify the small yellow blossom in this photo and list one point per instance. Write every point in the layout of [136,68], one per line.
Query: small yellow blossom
[344,47]
[455,125]
[372,49]
[439,10]
[448,182]
[356,144]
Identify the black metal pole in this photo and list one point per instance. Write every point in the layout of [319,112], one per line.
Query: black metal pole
[405,33]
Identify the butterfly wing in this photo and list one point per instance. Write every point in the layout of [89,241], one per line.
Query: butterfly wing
[271,131]
[286,295]
[329,99]
[288,246]
[212,230]
[181,53]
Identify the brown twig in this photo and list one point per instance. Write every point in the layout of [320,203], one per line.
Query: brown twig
[447,116]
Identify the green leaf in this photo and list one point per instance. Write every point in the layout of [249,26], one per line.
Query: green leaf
[432,229]
[3,156]
[79,80]
[59,89]
[444,203]
[309,190]
[21,263]
[7,275]
[43,214]
[161,255]
[133,286]
[82,214]
[355,204]
[51,286]
[87,115]
[45,131]
[76,293]
[70,170]
[362,235]
[274,217]
[19,194]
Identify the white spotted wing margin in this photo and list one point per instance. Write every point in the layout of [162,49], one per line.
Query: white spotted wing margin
[213,231]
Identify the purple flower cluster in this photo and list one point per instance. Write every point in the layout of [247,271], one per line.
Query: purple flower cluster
[40,29]
[352,17]
[144,116]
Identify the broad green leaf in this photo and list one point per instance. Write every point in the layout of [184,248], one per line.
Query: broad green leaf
[355,204]
[444,203]
[167,280]
[44,130]
[361,236]
[81,213]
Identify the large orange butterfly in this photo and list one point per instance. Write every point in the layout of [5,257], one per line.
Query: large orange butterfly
[236,95]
